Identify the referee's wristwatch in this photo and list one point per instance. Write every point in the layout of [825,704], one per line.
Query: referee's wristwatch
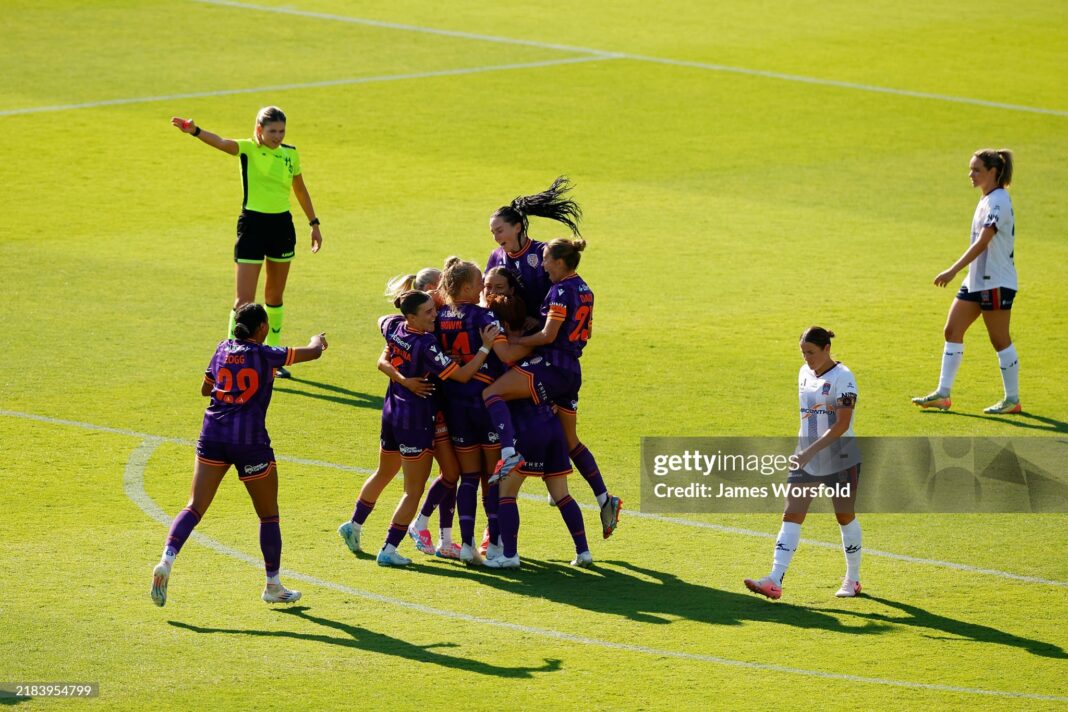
[313,222]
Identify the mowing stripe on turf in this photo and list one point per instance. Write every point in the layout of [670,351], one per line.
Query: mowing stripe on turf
[305,85]
[133,482]
[607,54]
[630,513]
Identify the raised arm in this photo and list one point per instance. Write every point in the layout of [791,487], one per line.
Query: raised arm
[314,349]
[226,145]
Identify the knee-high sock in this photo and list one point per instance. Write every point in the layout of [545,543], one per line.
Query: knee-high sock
[1010,372]
[275,315]
[785,546]
[951,358]
[230,327]
[502,420]
[508,520]
[466,505]
[396,532]
[851,545]
[572,515]
[587,467]
[433,498]
[181,528]
[271,545]
[491,495]
[447,507]
[363,509]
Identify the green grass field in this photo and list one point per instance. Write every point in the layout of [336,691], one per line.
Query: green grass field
[746,170]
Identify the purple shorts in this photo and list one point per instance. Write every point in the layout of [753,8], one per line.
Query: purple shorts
[470,427]
[544,448]
[252,462]
[551,384]
[411,443]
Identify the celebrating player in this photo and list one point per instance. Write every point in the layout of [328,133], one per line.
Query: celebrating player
[517,251]
[553,373]
[407,438]
[990,287]
[269,169]
[239,380]
[826,454]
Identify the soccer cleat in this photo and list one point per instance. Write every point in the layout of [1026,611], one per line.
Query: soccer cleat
[423,541]
[610,515]
[933,400]
[765,587]
[160,574]
[493,551]
[277,593]
[505,467]
[351,534]
[849,588]
[448,551]
[504,562]
[392,559]
[1004,407]
[583,560]
[282,372]
[552,502]
[485,542]
[469,556]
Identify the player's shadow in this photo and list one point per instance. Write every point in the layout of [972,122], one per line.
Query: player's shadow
[1018,420]
[364,639]
[918,617]
[334,394]
[646,596]
[11,701]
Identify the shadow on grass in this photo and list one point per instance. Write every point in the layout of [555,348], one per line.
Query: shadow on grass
[647,596]
[341,395]
[364,639]
[1019,420]
[918,617]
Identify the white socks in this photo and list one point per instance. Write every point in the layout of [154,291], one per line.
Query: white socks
[1010,372]
[785,546]
[421,522]
[851,539]
[951,358]
[446,537]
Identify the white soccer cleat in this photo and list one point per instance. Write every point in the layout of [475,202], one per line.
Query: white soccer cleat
[934,400]
[503,562]
[765,587]
[1004,407]
[610,515]
[160,575]
[552,502]
[277,593]
[494,551]
[350,533]
[448,551]
[583,560]
[392,559]
[505,467]
[849,589]
[470,556]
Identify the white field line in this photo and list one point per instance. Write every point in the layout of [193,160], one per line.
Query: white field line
[630,514]
[305,85]
[604,54]
[133,482]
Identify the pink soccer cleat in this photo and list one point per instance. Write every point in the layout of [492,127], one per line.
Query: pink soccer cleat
[423,541]
[765,587]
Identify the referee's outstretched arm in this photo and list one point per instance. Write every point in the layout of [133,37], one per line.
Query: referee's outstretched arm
[190,127]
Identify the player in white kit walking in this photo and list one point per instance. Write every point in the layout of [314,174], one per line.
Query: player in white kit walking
[989,288]
[826,454]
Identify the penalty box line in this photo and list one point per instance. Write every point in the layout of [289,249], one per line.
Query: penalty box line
[134,486]
[630,513]
[604,54]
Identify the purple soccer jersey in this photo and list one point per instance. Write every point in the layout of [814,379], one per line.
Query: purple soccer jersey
[459,332]
[241,374]
[527,265]
[414,354]
[569,301]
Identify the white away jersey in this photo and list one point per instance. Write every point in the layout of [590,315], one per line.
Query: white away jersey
[994,267]
[821,397]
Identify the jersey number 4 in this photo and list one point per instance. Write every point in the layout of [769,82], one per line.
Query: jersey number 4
[459,347]
[247,381]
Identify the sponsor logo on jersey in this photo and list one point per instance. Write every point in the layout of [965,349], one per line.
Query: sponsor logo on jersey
[409,450]
[493,437]
[820,409]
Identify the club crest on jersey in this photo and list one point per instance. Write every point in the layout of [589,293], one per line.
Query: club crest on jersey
[532,260]
[493,437]
[826,389]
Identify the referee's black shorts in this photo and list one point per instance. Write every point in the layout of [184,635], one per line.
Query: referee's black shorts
[265,235]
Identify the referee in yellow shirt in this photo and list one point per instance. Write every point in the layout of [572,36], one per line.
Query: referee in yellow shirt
[269,170]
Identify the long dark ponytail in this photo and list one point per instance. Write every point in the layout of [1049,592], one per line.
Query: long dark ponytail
[551,203]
